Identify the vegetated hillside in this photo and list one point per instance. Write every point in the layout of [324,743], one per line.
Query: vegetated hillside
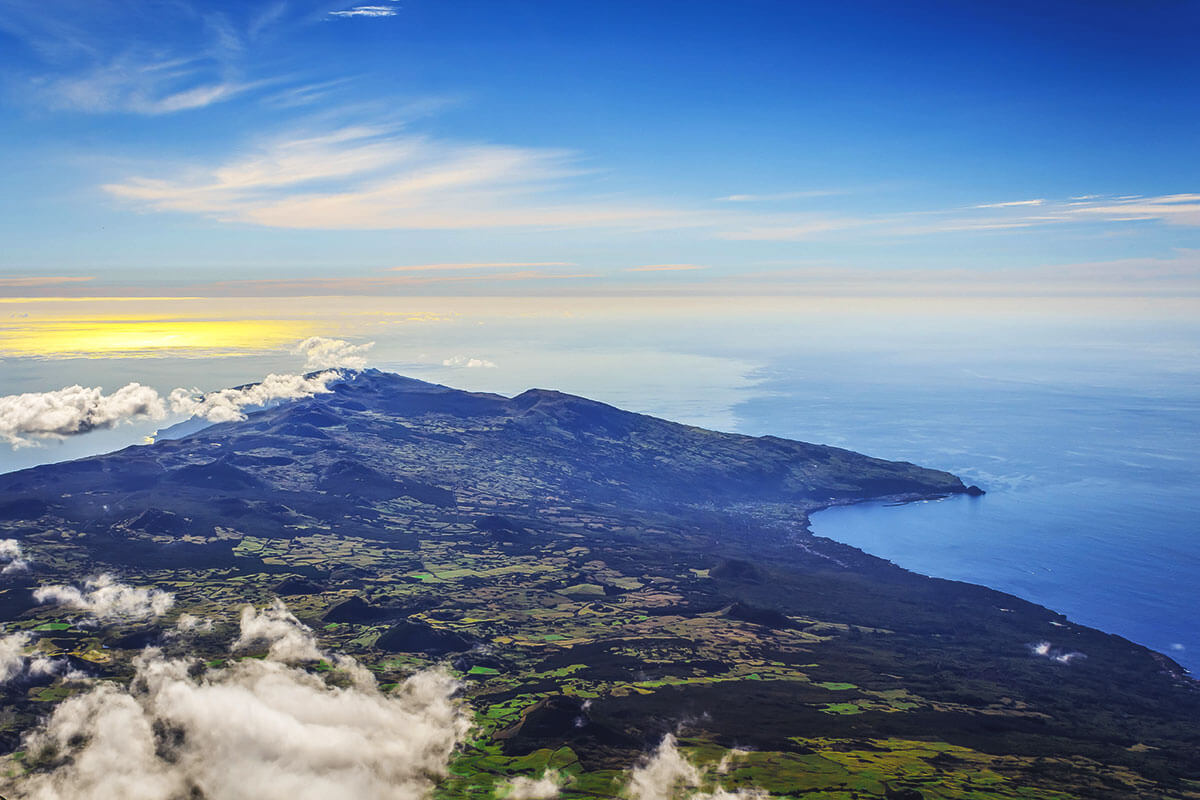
[599,578]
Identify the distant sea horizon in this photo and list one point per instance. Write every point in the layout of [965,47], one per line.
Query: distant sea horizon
[1078,417]
[1092,491]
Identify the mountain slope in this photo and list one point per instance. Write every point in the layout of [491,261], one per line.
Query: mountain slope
[600,578]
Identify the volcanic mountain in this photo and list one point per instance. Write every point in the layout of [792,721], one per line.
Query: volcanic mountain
[598,578]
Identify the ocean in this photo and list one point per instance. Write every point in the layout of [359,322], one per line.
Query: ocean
[1081,418]
[1093,481]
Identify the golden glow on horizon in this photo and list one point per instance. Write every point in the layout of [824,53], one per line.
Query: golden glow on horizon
[189,327]
[131,336]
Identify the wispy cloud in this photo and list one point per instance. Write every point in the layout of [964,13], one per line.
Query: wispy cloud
[1011,204]
[176,57]
[366,11]
[790,231]
[371,177]
[665,268]
[140,87]
[45,280]
[1174,209]
[780,196]
[366,284]
[478,265]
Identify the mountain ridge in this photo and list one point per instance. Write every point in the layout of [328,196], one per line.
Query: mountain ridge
[556,550]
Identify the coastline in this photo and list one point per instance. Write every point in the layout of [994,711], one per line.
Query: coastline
[1170,666]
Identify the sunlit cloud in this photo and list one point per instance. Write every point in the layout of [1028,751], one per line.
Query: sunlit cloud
[321,352]
[370,177]
[468,362]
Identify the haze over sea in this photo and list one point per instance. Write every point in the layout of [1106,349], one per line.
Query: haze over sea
[1079,418]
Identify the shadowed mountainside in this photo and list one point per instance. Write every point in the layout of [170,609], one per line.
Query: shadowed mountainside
[599,578]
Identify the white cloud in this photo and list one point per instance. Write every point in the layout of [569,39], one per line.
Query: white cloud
[1012,204]
[107,600]
[176,57]
[1045,650]
[780,196]
[12,655]
[469,362]
[322,353]
[1175,209]
[253,729]
[12,558]
[139,88]
[15,662]
[368,177]
[24,418]
[286,638]
[366,11]
[668,775]
[74,410]
[226,405]
[190,623]
[524,788]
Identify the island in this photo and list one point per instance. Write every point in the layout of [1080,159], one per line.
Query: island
[596,584]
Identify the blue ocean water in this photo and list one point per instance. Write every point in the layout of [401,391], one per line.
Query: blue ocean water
[1093,480]
[1080,418]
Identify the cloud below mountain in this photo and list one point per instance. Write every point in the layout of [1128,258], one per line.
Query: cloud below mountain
[257,728]
[105,600]
[27,418]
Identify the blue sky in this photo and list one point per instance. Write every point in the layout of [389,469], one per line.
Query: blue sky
[549,147]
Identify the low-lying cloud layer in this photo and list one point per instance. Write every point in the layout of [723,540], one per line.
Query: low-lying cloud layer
[1058,655]
[105,600]
[12,558]
[524,788]
[286,638]
[16,663]
[25,418]
[668,775]
[74,410]
[256,728]
[226,405]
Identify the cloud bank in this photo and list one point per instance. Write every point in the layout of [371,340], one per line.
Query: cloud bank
[105,600]
[74,410]
[258,729]
[25,418]
[226,405]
